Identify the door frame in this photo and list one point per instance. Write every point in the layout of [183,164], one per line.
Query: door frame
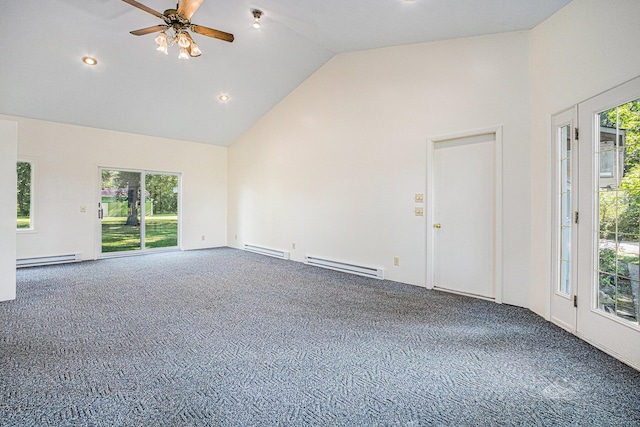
[429,211]
[98,254]
[569,117]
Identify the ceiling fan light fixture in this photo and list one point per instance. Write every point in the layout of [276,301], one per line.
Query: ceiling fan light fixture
[162,39]
[195,50]
[257,14]
[183,53]
[183,40]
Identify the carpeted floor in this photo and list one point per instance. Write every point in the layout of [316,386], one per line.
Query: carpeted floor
[228,338]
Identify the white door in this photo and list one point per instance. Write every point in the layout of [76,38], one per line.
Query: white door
[565,202]
[609,229]
[464,215]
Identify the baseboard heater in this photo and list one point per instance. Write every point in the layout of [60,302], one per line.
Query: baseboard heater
[47,260]
[267,251]
[360,270]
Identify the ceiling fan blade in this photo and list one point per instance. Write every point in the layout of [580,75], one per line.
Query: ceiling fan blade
[210,32]
[187,8]
[145,8]
[149,30]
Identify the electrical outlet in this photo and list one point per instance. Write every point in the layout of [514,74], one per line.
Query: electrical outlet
[293,246]
[203,237]
[396,261]
[419,198]
[419,211]
[236,237]
[83,208]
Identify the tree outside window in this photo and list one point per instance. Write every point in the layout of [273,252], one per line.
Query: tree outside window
[23,208]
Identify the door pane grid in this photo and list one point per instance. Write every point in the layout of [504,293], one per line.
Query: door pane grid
[564,188]
[618,165]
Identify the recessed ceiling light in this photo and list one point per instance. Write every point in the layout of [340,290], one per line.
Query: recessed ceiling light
[224,97]
[89,60]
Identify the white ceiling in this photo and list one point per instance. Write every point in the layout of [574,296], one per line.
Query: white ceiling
[136,89]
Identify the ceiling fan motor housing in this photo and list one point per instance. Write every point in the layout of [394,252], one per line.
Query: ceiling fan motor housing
[172,18]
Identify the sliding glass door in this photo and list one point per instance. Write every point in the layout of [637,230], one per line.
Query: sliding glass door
[138,211]
[161,214]
[120,211]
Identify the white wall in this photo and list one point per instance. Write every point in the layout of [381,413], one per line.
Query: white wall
[335,166]
[588,47]
[8,157]
[66,177]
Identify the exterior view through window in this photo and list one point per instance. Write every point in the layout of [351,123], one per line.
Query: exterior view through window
[161,229]
[139,210]
[564,189]
[23,210]
[619,204]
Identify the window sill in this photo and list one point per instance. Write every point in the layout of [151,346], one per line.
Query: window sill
[26,231]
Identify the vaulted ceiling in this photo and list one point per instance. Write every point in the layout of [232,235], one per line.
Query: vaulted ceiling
[136,89]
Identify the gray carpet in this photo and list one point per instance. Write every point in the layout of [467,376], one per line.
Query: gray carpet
[228,338]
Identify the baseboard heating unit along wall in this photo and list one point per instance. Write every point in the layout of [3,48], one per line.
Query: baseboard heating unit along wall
[267,251]
[360,270]
[47,260]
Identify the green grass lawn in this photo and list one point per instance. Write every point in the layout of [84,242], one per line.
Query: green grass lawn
[161,232]
[23,222]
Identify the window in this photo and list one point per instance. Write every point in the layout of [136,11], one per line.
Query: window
[612,159]
[24,219]
[564,221]
[619,202]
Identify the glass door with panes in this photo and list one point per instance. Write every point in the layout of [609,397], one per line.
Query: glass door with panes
[138,211]
[609,230]
[565,157]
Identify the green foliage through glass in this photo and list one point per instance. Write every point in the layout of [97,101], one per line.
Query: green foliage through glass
[619,211]
[23,207]
[121,203]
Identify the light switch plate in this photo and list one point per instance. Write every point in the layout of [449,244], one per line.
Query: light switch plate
[419,198]
[419,211]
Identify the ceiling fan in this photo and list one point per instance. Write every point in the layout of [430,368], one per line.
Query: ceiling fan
[177,21]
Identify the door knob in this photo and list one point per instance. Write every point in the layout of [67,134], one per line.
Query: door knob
[438,225]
